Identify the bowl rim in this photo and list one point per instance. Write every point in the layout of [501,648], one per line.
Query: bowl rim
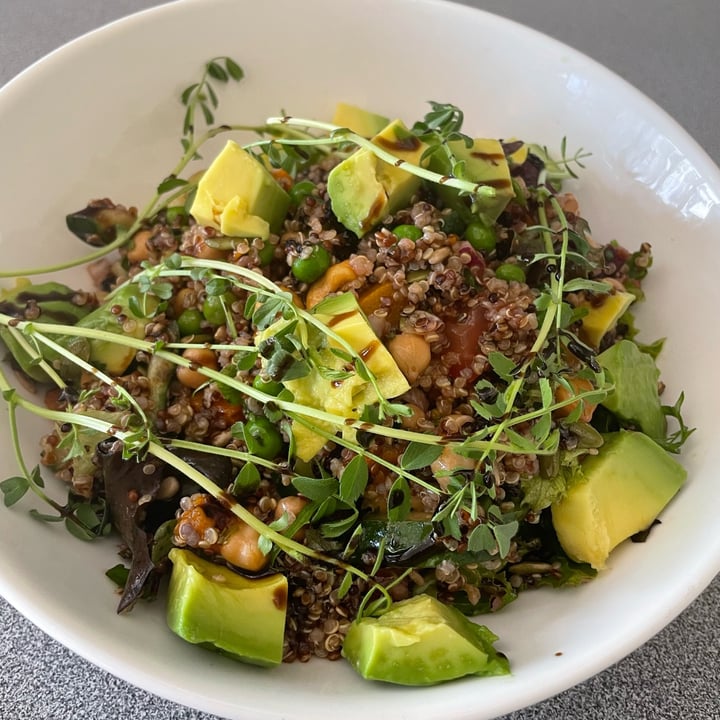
[681,598]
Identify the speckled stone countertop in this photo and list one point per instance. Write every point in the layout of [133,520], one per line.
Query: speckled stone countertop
[668,49]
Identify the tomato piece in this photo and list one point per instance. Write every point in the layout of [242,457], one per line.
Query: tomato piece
[464,335]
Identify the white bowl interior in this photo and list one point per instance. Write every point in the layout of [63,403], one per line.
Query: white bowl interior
[101,117]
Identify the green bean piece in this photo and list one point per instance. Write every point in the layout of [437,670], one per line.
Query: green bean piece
[176,213]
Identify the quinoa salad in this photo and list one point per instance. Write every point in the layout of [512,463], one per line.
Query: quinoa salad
[342,368]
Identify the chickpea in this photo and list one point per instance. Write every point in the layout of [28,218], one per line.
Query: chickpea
[185,298]
[200,249]
[292,505]
[411,422]
[331,280]
[448,463]
[411,353]
[242,550]
[199,356]
[568,202]
[579,385]
[138,250]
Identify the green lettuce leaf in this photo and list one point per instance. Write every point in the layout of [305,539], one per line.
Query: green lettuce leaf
[635,399]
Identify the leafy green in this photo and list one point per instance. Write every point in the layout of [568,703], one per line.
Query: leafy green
[417,455]
[13,490]
[540,492]
[353,480]
[202,95]
[635,399]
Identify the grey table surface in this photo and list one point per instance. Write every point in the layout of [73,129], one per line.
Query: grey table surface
[669,49]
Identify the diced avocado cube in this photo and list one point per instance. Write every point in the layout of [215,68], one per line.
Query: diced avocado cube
[364,190]
[346,397]
[516,158]
[238,196]
[485,163]
[112,357]
[621,492]
[354,328]
[421,641]
[212,606]
[362,122]
[603,317]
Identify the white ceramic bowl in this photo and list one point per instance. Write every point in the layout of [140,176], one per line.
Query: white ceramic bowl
[101,117]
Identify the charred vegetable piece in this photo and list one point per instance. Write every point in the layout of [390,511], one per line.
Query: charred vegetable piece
[99,222]
[49,302]
[404,539]
[421,641]
[160,372]
[130,486]
[76,449]
[136,497]
[212,606]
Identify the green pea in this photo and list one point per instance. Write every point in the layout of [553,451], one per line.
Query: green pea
[411,232]
[214,308]
[299,191]
[190,321]
[175,213]
[510,271]
[310,268]
[271,387]
[481,236]
[262,437]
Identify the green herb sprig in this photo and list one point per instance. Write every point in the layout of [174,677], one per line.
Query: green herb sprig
[202,96]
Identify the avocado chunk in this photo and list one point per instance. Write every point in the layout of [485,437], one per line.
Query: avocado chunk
[364,123]
[364,190]
[602,318]
[345,397]
[212,606]
[486,164]
[115,358]
[238,196]
[635,398]
[620,492]
[421,641]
